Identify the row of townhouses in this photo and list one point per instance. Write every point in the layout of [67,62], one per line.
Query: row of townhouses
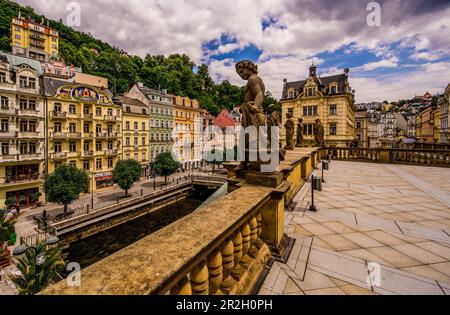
[51,114]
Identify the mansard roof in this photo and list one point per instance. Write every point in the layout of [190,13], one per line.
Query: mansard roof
[322,82]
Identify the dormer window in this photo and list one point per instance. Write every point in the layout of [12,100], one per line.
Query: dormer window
[2,76]
[333,89]
[310,91]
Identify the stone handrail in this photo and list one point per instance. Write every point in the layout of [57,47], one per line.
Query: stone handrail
[386,155]
[218,249]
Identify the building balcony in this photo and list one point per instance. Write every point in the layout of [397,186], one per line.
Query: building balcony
[28,113]
[7,134]
[22,178]
[7,111]
[73,154]
[111,118]
[30,157]
[28,89]
[58,114]
[112,152]
[37,37]
[74,135]
[8,158]
[58,156]
[101,135]
[28,134]
[88,116]
[112,135]
[58,135]
[88,135]
[87,154]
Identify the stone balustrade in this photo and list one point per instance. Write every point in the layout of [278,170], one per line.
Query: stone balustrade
[387,155]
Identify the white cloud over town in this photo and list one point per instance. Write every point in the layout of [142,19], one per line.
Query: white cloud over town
[299,30]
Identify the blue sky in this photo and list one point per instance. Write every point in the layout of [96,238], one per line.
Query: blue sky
[407,54]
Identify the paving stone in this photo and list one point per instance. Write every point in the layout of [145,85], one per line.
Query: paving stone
[338,227]
[280,283]
[367,256]
[399,282]
[384,237]
[436,248]
[428,272]
[327,291]
[418,253]
[314,280]
[301,231]
[317,229]
[351,289]
[338,242]
[442,267]
[411,229]
[394,257]
[291,287]
[375,221]
[362,240]
[317,242]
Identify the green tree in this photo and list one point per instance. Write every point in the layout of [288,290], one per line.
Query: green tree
[126,173]
[65,185]
[47,273]
[165,165]
[6,229]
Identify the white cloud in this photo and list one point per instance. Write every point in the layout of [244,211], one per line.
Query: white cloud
[304,29]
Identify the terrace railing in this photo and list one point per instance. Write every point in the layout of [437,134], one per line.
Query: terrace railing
[400,156]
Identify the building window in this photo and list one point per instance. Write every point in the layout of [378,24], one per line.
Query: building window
[110,112]
[308,129]
[98,164]
[127,125]
[143,140]
[143,126]
[136,126]
[144,111]
[72,127]
[110,145]
[333,89]
[98,111]
[4,102]
[57,127]
[72,146]
[86,127]
[128,109]
[290,111]
[136,141]
[5,149]
[86,165]
[58,146]
[72,109]
[4,125]
[310,110]
[144,156]
[127,141]
[98,145]
[333,129]
[310,91]
[333,109]
[358,125]
[2,77]
[110,162]
[73,163]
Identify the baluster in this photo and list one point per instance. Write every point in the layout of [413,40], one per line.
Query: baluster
[258,242]
[245,231]
[237,243]
[253,236]
[228,264]
[214,263]
[199,279]
[183,287]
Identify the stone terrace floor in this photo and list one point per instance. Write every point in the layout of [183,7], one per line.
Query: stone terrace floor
[395,215]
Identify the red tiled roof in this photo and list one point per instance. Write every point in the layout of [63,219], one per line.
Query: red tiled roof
[224,120]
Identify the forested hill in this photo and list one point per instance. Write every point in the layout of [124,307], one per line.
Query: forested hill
[175,72]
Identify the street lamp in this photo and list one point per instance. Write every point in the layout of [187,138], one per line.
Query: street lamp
[92,191]
[39,258]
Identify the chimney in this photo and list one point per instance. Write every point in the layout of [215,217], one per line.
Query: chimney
[284,82]
[346,71]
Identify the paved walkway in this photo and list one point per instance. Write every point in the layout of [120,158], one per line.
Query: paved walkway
[379,229]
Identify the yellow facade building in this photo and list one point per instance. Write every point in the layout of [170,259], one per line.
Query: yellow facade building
[33,40]
[22,130]
[187,132]
[135,132]
[329,99]
[84,130]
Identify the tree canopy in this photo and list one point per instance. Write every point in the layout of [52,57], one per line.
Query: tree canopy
[176,73]
[126,173]
[165,165]
[65,185]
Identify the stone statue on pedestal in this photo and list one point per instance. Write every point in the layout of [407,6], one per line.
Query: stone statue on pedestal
[318,133]
[252,109]
[289,126]
[299,133]
[273,120]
